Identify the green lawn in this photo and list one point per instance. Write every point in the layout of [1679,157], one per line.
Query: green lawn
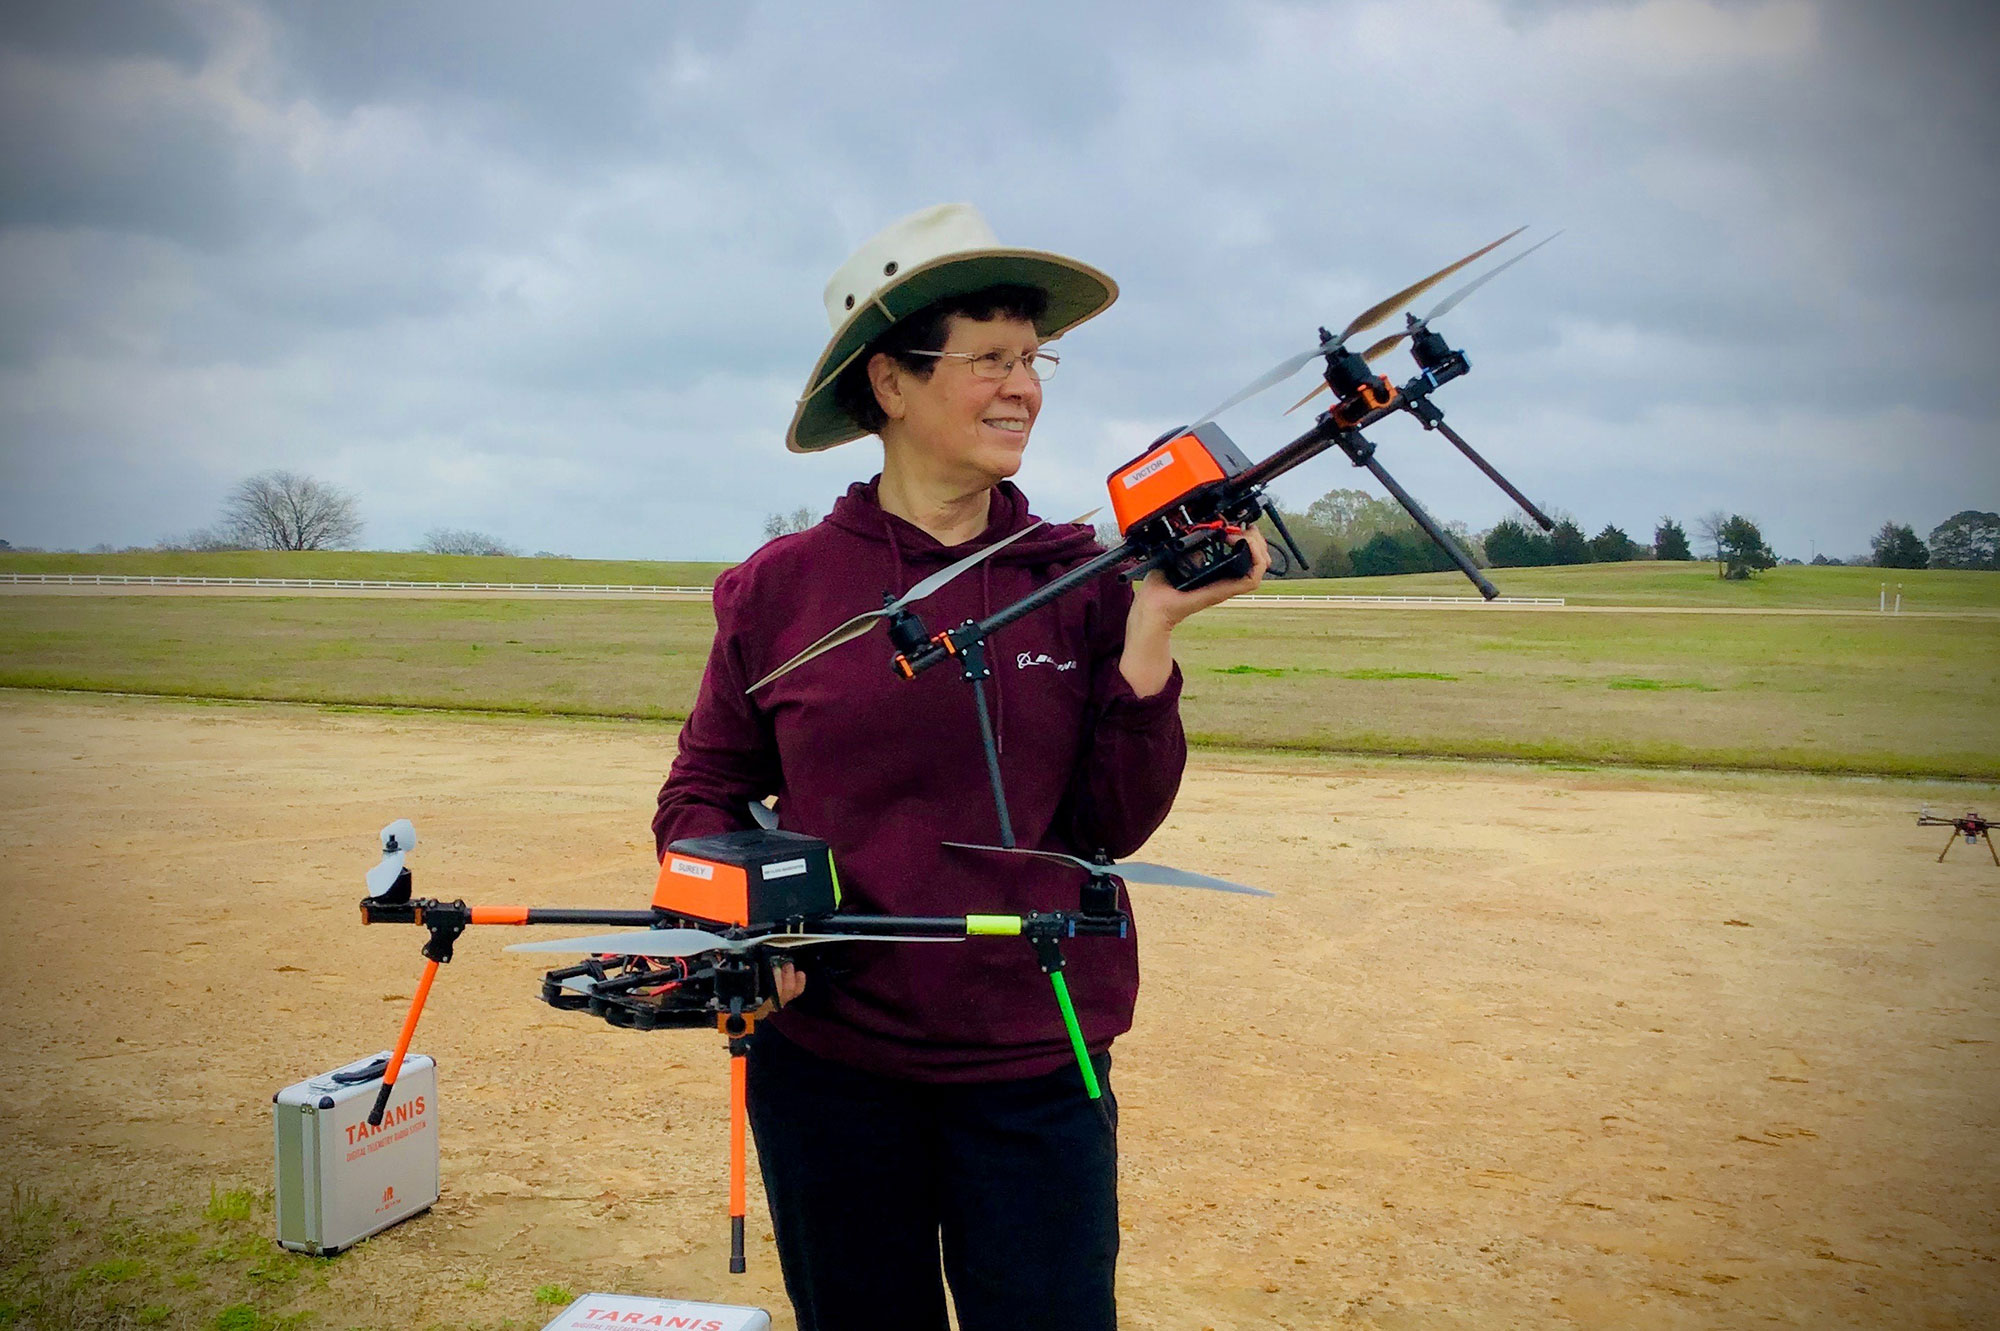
[1654,583]
[185,1265]
[380,565]
[1650,584]
[1876,694]
[1895,696]
[590,658]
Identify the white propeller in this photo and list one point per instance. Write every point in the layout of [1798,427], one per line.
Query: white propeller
[398,839]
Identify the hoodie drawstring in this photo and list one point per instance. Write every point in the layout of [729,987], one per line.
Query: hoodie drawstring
[895,552]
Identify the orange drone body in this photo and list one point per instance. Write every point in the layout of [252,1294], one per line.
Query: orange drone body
[1175,467]
[745,878]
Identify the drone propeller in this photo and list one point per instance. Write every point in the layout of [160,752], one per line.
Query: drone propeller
[1132,871]
[1450,303]
[1375,314]
[694,942]
[1367,319]
[1317,389]
[1277,374]
[766,816]
[864,621]
[398,838]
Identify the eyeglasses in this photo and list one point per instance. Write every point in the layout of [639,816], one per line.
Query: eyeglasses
[998,365]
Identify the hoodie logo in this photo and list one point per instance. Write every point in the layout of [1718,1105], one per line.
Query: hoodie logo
[1026,659]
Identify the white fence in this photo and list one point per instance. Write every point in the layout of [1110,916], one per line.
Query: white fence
[1283,597]
[633,589]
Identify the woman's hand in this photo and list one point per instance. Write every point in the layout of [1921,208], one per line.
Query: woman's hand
[1157,610]
[788,979]
[1156,597]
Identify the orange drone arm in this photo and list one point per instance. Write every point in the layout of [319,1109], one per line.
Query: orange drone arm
[403,1042]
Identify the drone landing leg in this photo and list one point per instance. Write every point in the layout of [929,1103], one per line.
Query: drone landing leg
[973,654]
[1527,506]
[738,1084]
[1048,951]
[1362,454]
[736,1024]
[446,921]
[1947,846]
[1989,846]
[402,1044]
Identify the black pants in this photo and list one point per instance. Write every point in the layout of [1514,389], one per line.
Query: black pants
[872,1180]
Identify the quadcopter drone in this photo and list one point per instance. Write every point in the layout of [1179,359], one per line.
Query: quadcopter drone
[726,907]
[1968,824]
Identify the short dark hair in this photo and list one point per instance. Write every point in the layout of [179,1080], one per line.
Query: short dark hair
[927,330]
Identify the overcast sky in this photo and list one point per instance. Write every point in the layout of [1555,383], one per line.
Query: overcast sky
[554,271]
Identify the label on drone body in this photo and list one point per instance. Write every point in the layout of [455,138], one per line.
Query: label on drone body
[1153,468]
[595,1310]
[784,869]
[693,868]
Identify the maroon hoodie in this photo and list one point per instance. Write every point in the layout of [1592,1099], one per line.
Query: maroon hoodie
[885,769]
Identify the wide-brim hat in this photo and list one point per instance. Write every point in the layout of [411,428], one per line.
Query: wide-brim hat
[944,251]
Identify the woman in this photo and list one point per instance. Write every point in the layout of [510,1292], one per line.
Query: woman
[918,1105]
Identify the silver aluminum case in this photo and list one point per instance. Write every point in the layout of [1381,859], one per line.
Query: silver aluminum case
[340,1181]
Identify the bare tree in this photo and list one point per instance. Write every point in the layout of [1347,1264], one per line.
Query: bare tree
[282,510]
[1709,527]
[784,524]
[457,541]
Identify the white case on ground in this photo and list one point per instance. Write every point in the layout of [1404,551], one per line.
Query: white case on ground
[601,1310]
[340,1180]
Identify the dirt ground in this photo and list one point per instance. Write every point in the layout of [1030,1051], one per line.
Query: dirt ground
[1513,1047]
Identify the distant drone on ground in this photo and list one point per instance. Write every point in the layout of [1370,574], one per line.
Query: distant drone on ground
[1968,824]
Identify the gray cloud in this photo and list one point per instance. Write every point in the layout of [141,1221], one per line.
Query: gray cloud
[558,277]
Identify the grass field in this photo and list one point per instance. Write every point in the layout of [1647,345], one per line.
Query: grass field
[1650,583]
[1654,583]
[189,1265]
[381,565]
[1882,695]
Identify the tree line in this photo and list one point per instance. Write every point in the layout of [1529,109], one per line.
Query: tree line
[1343,534]
[1968,538]
[1351,533]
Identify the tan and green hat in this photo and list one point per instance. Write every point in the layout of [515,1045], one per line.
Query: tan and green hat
[943,251]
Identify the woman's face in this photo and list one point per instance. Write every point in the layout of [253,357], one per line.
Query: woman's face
[977,428]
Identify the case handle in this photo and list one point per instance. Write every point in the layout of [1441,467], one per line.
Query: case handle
[355,1076]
